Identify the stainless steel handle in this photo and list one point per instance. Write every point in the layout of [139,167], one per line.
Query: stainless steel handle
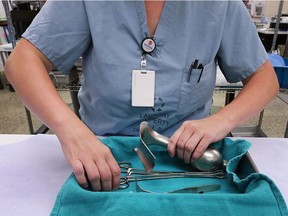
[151,137]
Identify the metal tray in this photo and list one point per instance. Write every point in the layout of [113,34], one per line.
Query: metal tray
[246,166]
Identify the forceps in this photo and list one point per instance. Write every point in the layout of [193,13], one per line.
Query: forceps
[125,181]
[134,174]
[126,167]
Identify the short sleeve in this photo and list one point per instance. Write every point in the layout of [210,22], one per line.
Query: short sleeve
[61,32]
[241,51]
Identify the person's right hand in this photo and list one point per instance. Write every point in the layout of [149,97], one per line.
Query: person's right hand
[91,160]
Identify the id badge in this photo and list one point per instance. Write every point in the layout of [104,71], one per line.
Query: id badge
[143,87]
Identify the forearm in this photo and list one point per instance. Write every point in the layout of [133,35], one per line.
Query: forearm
[258,91]
[28,74]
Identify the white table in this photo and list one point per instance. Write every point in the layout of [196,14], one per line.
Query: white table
[33,169]
[32,173]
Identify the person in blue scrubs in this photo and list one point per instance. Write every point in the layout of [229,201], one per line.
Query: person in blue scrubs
[177,44]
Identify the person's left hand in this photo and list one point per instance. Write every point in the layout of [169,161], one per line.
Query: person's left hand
[193,137]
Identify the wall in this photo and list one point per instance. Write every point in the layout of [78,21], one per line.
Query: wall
[271,8]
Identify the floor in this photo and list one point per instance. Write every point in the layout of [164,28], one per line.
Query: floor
[13,115]
[14,121]
[275,115]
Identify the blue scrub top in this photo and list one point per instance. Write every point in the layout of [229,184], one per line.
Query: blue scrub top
[108,35]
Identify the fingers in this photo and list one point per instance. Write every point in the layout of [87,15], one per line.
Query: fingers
[191,147]
[101,173]
[79,173]
[173,141]
[109,174]
[115,171]
[87,173]
[93,175]
[189,142]
[105,177]
[200,148]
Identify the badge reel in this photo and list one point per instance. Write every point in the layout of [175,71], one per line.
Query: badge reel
[143,86]
[148,45]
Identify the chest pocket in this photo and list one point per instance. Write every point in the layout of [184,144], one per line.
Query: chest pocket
[198,89]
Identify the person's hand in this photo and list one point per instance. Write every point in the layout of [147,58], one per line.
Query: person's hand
[82,149]
[92,161]
[193,137]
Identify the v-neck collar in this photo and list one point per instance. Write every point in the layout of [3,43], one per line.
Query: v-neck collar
[164,24]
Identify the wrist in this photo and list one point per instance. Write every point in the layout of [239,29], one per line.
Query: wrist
[69,126]
[226,121]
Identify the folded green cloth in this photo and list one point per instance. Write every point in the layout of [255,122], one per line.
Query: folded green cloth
[242,193]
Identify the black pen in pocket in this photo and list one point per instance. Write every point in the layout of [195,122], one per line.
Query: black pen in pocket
[194,65]
[202,68]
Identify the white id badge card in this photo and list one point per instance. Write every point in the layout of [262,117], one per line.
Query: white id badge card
[143,86]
